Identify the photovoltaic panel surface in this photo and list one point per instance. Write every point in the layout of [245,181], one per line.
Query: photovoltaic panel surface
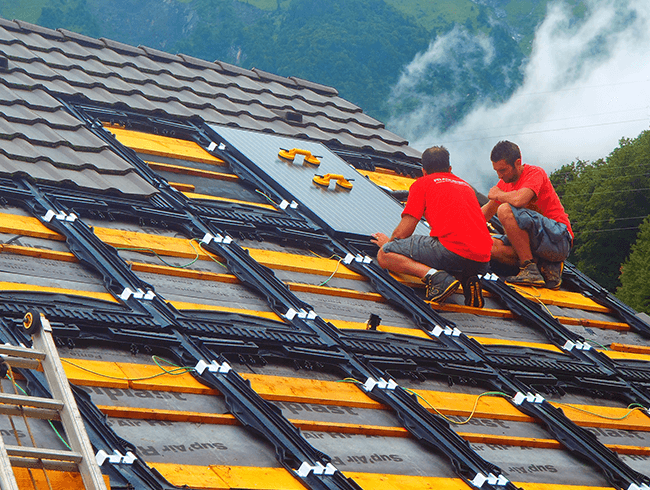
[363,210]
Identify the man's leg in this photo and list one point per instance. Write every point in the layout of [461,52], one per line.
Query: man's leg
[402,264]
[519,239]
[439,283]
[520,245]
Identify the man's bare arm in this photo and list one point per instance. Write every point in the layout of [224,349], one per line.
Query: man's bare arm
[489,209]
[404,229]
[519,198]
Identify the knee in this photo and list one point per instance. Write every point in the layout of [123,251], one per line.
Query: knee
[504,212]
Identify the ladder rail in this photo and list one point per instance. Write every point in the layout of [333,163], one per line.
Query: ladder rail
[70,416]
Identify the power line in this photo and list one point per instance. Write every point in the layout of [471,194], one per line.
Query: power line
[546,131]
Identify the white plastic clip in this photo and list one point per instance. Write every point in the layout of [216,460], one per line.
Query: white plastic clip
[290,314]
[318,469]
[129,458]
[212,146]
[71,217]
[568,345]
[455,332]
[294,205]
[61,216]
[149,295]
[227,240]
[139,294]
[302,313]
[304,470]
[369,384]
[367,260]
[358,258]
[348,259]
[492,479]
[207,238]
[437,331]
[284,204]
[479,480]
[391,385]
[49,215]
[502,481]
[519,398]
[222,146]
[126,294]
[311,315]
[633,486]
[101,457]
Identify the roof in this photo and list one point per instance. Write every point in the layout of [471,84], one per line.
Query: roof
[224,323]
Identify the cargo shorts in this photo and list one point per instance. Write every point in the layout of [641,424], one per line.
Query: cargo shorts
[429,251]
[549,239]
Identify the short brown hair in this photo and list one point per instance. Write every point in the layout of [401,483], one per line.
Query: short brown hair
[505,150]
[435,159]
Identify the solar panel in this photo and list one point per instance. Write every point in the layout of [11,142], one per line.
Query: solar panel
[364,209]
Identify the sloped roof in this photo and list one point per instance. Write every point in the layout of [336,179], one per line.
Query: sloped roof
[236,338]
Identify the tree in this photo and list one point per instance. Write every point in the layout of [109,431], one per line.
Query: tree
[606,201]
[635,286]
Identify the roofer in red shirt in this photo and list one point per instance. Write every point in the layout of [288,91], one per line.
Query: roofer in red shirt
[538,235]
[458,247]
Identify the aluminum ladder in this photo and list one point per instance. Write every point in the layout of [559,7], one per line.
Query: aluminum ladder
[61,407]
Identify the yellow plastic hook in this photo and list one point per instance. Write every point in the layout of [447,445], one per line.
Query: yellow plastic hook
[291,155]
[324,180]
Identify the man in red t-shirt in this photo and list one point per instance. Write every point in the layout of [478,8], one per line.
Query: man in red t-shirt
[538,235]
[458,247]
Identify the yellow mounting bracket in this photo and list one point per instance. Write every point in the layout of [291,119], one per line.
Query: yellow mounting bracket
[341,181]
[291,155]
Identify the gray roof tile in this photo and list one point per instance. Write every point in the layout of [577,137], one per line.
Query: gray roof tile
[80,38]
[121,47]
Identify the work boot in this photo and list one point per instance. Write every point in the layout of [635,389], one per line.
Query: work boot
[473,292]
[528,275]
[440,285]
[551,272]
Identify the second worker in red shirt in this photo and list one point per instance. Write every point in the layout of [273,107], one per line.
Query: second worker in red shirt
[538,235]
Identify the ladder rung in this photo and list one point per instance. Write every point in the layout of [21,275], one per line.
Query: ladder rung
[34,413]
[22,362]
[31,401]
[42,453]
[44,464]
[23,352]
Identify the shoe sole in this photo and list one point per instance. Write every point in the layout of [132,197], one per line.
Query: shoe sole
[540,283]
[451,289]
[473,294]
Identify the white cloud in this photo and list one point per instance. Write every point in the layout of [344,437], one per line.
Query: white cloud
[585,86]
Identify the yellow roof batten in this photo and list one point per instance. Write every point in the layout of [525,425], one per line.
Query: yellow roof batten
[153,144]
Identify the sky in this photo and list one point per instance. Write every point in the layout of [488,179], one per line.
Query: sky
[586,85]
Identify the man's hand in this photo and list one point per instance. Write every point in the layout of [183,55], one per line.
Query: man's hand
[379,239]
[495,193]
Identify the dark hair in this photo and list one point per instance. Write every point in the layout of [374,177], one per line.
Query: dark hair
[505,150]
[435,159]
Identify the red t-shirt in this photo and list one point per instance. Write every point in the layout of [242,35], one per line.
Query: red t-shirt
[546,201]
[451,208]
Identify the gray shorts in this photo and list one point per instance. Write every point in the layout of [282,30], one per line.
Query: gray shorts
[549,239]
[429,251]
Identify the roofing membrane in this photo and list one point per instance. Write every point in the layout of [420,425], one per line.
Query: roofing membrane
[230,341]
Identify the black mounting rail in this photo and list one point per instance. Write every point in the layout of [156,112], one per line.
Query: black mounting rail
[602,296]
